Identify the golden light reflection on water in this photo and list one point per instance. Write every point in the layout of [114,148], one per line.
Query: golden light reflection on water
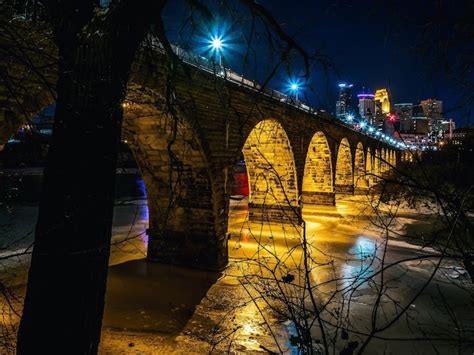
[336,245]
[330,231]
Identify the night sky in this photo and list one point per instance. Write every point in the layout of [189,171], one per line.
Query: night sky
[371,44]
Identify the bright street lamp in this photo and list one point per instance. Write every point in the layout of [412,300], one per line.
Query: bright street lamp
[294,87]
[217,44]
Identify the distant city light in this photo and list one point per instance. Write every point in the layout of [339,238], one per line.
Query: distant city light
[377,133]
[366,96]
[345,85]
[371,129]
[349,117]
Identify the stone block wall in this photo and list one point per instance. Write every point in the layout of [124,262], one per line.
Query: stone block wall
[188,128]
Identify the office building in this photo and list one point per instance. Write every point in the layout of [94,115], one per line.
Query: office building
[366,107]
[382,102]
[404,114]
[343,104]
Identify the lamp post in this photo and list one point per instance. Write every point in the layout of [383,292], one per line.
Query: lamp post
[294,87]
[217,44]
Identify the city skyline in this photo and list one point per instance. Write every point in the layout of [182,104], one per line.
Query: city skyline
[374,45]
[420,124]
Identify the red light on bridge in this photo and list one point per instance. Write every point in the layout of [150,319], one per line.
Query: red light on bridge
[241,183]
[392,117]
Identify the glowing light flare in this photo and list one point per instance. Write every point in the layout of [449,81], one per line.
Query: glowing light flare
[216,40]
[217,43]
[294,86]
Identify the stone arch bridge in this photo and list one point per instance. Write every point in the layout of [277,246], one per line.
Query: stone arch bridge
[187,157]
[187,150]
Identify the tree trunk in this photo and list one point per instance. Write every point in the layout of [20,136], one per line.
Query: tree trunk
[64,302]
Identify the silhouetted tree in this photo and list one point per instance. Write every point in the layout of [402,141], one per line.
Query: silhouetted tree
[96,45]
[67,279]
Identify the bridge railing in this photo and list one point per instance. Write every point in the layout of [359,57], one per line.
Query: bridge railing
[214,68]
[232,76]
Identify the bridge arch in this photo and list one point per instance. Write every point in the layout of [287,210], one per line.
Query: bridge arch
[184,227]
[383,164]
[387,160]
[377,165]
[360,179]
[344,179]
[369,167]
[318,187]
[273,189]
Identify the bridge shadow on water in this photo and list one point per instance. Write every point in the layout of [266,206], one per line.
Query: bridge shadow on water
[152,297]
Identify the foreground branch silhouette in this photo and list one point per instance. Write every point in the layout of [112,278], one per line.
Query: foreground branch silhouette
[96,47]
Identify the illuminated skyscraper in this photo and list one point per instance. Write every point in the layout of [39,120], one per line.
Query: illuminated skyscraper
[382,102]
[366,107]
[343,105]
[382,109]
[433,110]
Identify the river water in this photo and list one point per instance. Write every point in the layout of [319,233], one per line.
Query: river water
[155,308]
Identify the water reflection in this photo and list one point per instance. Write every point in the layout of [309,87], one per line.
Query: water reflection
[228,312]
